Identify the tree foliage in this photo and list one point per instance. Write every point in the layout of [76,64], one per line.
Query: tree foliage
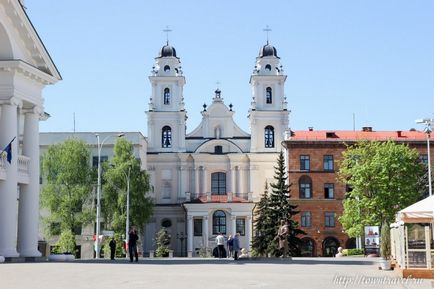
[122,165]
[67,193]
[263,225]
[280,208]
[384,178]
[162,242]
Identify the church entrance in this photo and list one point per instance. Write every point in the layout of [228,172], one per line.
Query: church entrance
[307,248]
[330,247]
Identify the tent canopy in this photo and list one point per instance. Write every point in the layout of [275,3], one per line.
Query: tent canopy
[420,212]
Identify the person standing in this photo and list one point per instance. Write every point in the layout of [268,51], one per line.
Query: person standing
[132,244]
[236,245]
[220,240]
[230,246]
[282,236]
[112,245]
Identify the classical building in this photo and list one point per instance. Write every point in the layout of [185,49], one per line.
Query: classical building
[25,69]
[84,235]
[313,161]
[206,181]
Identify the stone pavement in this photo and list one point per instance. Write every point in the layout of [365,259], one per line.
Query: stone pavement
[180,273]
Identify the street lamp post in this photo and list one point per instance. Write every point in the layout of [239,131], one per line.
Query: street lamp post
[428,123]
[98,191]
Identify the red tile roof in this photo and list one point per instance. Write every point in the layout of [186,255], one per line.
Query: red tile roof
[345,135]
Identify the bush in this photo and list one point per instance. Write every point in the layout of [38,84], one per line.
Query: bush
[352,252]
[66,242]
[162,240]
[205,252]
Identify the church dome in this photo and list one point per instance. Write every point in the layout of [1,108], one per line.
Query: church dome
[168,51]
[268,50]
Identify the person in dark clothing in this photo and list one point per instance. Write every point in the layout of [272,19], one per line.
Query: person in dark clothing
[132,244]
[112,245]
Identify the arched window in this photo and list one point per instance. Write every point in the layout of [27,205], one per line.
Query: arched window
[166,96]
[268,67]
[305,187]
[268,95]
[166,137]
[218,183]
[219,222]
[166,68]
[269,136]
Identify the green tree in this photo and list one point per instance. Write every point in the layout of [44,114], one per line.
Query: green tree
[263,226]
[67,193]
[162,242]
[124,165]
[384,178]
[280,208]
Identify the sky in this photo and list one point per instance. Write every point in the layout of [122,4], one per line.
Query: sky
[368,58]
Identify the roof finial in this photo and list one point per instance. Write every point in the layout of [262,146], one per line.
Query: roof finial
[167,30]
[267,29]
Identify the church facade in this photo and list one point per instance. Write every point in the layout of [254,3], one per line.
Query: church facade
[206,181]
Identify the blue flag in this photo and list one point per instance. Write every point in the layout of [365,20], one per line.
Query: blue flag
[8,151]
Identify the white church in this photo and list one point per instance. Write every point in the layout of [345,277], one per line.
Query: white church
[25,69]
[207,181]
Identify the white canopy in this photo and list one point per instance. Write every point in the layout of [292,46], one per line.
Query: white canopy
[420,212]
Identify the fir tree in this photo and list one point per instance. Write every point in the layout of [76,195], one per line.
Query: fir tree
[262,225]
[280,208]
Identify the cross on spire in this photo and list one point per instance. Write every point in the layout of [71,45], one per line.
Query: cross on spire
[267,29]
[167,30]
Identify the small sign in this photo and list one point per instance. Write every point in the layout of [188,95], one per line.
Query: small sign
[372,237]
[108,233]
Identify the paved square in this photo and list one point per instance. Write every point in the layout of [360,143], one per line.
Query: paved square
[179,273]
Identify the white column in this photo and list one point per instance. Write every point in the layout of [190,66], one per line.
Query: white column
[8,187]
[196,181]
[238,183]
[234,225]
[248,232]
[189,236]
[180,181]
[233,181]
[241,181]
[28,214]
[204,180]
[205,231]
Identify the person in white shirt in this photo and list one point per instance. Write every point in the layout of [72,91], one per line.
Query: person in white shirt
[220,240]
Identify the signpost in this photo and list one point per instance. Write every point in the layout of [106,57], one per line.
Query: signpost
[372,240]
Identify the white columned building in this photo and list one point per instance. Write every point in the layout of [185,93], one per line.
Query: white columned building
[25,69]
[223,169]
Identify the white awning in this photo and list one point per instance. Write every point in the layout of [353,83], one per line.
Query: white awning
[420,212]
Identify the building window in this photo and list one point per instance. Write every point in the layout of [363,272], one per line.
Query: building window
[329,219]
[424,159]
[305,184]
[197,225]
[306,219]
[219,222]
[328,163]
[95,160]
[166,68]
[166,96]
[218,183]
[241,226]
[329,191]
[268,67]
[304,162]
[269,136]
[166,141]
[166,223]
[268,95]
[218,150]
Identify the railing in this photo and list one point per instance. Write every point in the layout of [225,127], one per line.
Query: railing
[228,197]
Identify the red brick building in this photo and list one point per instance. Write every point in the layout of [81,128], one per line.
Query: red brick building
[312,161]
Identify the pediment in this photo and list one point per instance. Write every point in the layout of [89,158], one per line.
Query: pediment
[20,41]
[227,146]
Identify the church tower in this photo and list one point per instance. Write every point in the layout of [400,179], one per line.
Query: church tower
[166,114]
[268,113]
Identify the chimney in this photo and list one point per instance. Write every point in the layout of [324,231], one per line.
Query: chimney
[310,128]
[399,133]
[367,128]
